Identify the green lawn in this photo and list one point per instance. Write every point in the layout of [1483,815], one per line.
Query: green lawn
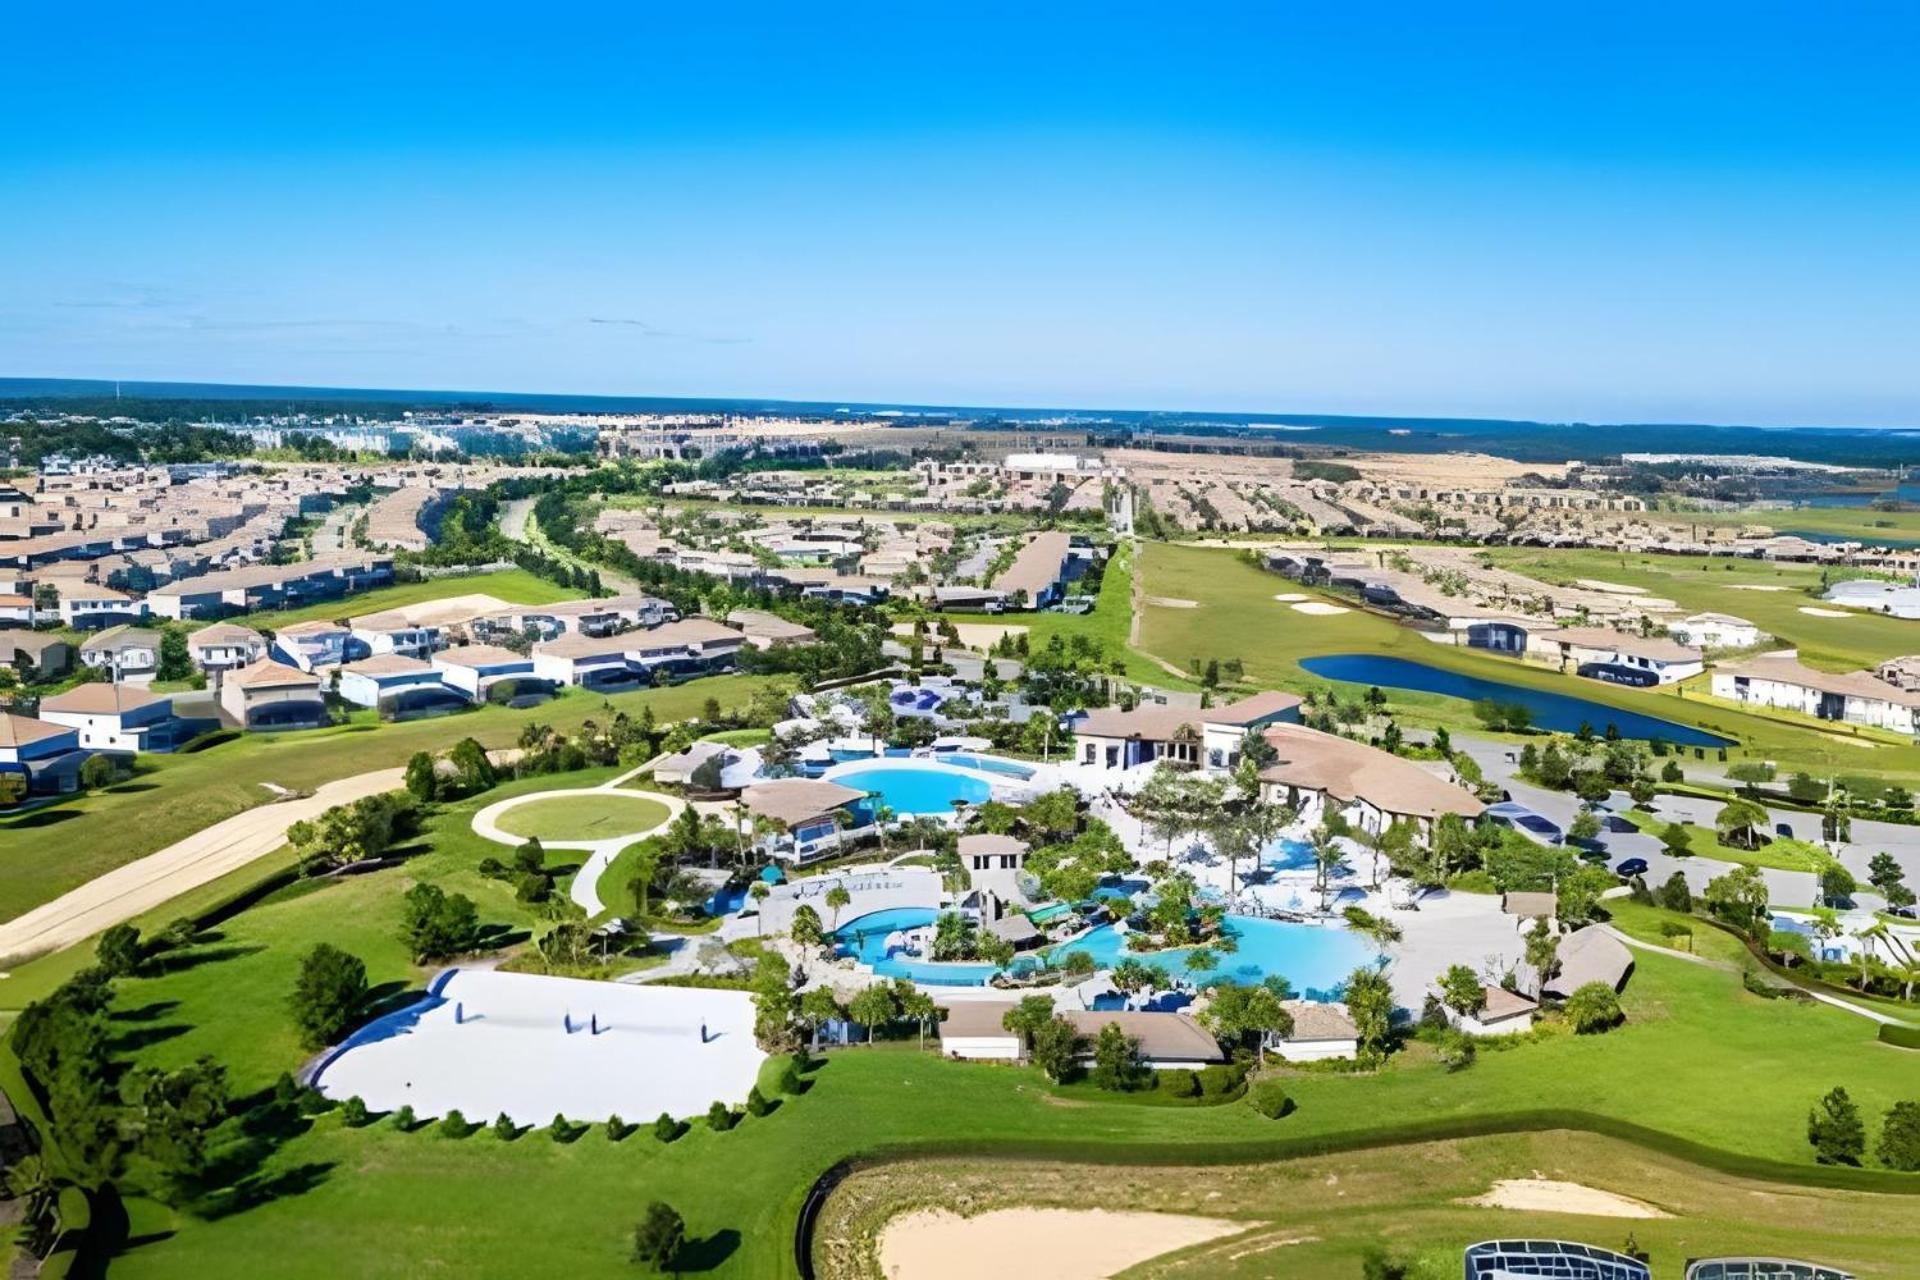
[50,850]
[594,817]
[1698,1058]
[1719,584]
[1858,523]
[1705,842]
[1237,617]
[515,586]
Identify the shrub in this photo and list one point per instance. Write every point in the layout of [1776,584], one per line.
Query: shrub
[720,1117]
[454,1125]
[1900,1138]
[1269,1098]
[353,1113]
[1900,1037]
[1217,1080]
[403,1119]
[790,1081]
[1835,1129]
[666,1128]
[617,1128]
[504,1128]
[563,1129]
[327,994]
[757,1104]
[1457,1051]
[1593,1008]
[1179,1083]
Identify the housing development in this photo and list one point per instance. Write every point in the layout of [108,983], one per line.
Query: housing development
[725,814]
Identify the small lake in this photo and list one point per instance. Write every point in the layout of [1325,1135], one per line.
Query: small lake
[1560,712]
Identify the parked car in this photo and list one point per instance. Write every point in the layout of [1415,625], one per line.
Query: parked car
[1631,867]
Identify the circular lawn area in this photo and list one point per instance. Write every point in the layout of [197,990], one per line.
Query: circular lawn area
[604,815]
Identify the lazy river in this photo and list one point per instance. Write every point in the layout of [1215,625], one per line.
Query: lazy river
[1561,712]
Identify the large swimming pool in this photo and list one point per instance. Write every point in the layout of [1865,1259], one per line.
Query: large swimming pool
[917,788]
[865,939]
[1315,959]
[1560,712]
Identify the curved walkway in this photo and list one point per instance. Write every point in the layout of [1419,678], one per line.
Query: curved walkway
[203,857]
[585,889]
[1823,997]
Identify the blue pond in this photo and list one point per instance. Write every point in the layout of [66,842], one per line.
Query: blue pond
[911,789]
[1560,712]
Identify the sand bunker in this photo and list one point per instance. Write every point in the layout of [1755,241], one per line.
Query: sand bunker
[1288,597]
[1814,611]
[1611,588]
[1754,586]
[1063,1244]
[1173,602]
[1318,609]
[1544,1195]
[448,610]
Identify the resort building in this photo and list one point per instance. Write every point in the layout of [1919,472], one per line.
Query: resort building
[769,630]
[994,863]
[48,755]
[1320,1031]
[1504,1013]
[976,1030]
[124,653]
[692,646]
[1589,955]
[1558,1259]
[1109,738]
[1716,631]
[1599,653]
[810,816]
[272,695]
[1853,697]
[224,647]
[1371,788]
[1037,577]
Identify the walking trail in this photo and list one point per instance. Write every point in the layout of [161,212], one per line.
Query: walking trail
[1873,1015]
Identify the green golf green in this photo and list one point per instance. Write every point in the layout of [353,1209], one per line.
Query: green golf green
[586,816]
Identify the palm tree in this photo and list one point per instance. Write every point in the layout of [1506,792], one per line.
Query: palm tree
[1328,859]
[759,891]
[838,897]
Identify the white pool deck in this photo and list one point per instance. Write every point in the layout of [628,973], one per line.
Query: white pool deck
[633,1051]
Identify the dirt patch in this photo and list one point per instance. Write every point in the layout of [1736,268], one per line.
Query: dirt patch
[449,610]
[1544,1195]
[1065,1244]
[1318,609]
[1815,611]
[1173,602]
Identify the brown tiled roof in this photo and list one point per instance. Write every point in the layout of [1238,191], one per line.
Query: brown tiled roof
[1348,771]
[97,698]
[267,673]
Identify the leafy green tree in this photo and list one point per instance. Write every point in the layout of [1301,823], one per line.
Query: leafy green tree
[1739,823]
[666,1128]
[1593,1007]
[1835,1129]
[1674,894]
[99,772]
[818,1006]
[1899,1146]
[1116,1059]
[1462,991]
[1236,1013]
[1370,1005]
[873,1007]
[435,924]
[805,927]
[1542,954]
[422,778]
[1837,885]
[119,951]
[176,663]
[1740,898]
[659,1236]
[1055,1048]
[1026,1018]
[472,768]
[327,994]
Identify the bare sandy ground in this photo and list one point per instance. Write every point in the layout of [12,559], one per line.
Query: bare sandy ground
[973,635]
[1814,611]
[1289,597]
[430,613]
[1172,602]
[204,856]
[1061,1244]
[1544,1195]
[1611,588]
[1319,610]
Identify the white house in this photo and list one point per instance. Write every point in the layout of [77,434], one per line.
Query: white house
[1320,1031]
[16,611]
[1614,656]
[84,607]
[224,647]
[113,717]
[1505,1013]
[124,653]
[475,668]
[366,682]
[975,1030]
[1716,631]
[1109,738]
[48,755]
[312,645]
[391,632]
[1852,697]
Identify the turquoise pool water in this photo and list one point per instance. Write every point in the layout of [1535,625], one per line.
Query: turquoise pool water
[911,789]
[986,764]
[865,939]
[1315,960]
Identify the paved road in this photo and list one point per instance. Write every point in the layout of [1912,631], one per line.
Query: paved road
[205,856]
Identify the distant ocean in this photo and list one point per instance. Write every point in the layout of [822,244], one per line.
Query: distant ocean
[1520,440]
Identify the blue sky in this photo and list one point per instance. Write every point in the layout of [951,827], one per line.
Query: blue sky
[1663,212]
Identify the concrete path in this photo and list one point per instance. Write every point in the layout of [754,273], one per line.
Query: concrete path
[205,856]
[1872,1015]
[585,889]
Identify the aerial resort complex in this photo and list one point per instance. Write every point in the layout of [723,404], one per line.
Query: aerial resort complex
[1224,642]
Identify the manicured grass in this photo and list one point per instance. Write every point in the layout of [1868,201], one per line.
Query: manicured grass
[1861,524]
[1714,584]
[1698,1058]
[1238,617]
[1315,1216]
[1705,842]
[595,817]
[1638,920]
[515,586]
[50,850]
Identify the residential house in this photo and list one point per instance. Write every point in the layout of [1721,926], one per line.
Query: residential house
[994,863]
[474,669]
[1505,1013]
[394,682]
[1038,573]
[224,647]
[1716,631]
[87,608]
[37,655]
[393,633]
[1320,1031]
[16,610]
[1852,697]
[310,646]
[273,695]
[765,630]
[124,653]
[976,1030]
[121,718]
[1599,653]
[48,755]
